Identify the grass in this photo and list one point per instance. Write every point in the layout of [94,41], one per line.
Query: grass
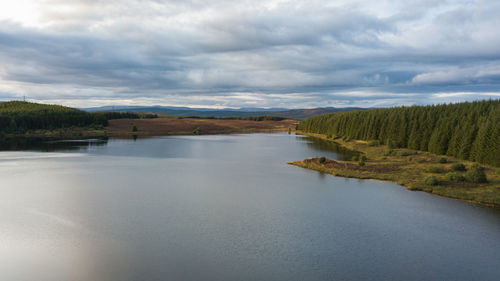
[64,133]
[416,170]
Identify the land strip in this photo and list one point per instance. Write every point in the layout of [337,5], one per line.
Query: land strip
[188,126]
[410,168]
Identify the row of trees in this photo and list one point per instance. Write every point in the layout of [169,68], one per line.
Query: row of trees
[469,130]
[251,118]
[19,116]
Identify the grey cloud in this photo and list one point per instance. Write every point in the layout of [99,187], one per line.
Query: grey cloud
[306,53]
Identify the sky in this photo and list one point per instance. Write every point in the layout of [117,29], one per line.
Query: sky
[277,53]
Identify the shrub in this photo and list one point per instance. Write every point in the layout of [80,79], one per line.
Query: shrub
[355,158]
[431,180]
[361,163]
[458,167]
[476,174]
[454,176]
[421,160]
[436,169]
[322,159]
[388,152]
[134,128]
[442,160]
[404,153]
[363,158]
[373,143]
[196,131]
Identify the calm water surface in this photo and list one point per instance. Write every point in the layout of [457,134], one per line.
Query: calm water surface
[226,208]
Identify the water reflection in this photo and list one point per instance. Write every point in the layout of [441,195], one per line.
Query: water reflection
[325,145]
[227,207]
[39,145]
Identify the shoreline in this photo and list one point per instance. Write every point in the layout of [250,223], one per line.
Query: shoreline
[122,128]
[408,168]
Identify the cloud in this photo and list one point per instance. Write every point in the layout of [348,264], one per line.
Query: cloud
[248,53]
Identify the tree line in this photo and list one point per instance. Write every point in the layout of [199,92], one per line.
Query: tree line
[20,116]
[249,118]
[468,130]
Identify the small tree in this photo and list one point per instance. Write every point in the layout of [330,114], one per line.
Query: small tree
[454,176]
[458,167]
[12,125]
[476,174]
[134,128]
[322,159]
[431,180]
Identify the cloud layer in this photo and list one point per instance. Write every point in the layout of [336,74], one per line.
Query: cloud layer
[249,53]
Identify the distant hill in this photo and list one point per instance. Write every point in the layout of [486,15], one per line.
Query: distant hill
[305,113]
[20,116]
[208,112]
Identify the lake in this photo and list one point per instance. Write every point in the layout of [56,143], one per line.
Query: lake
[226,207]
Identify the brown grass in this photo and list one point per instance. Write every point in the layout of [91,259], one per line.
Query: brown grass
[174,126]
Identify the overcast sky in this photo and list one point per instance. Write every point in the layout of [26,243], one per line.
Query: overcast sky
[249,53]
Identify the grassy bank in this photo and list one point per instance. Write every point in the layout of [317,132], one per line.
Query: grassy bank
[190,126]
[26,120]
[417,170]
[56,134]
[147,127]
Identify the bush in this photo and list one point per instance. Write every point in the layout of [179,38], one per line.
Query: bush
[404,153]
[476,174]
[196,131]
[432,180]
[373,143]
[443,160]
[363,158]
[355,158]
[436,169]
[322,159]
[421,160]
[134,128]
[454,176]
[458,167]
[361,163]
[388,152]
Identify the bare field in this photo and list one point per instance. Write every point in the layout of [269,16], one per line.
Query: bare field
[174,126]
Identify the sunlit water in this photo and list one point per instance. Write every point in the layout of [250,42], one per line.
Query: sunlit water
[226,208]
